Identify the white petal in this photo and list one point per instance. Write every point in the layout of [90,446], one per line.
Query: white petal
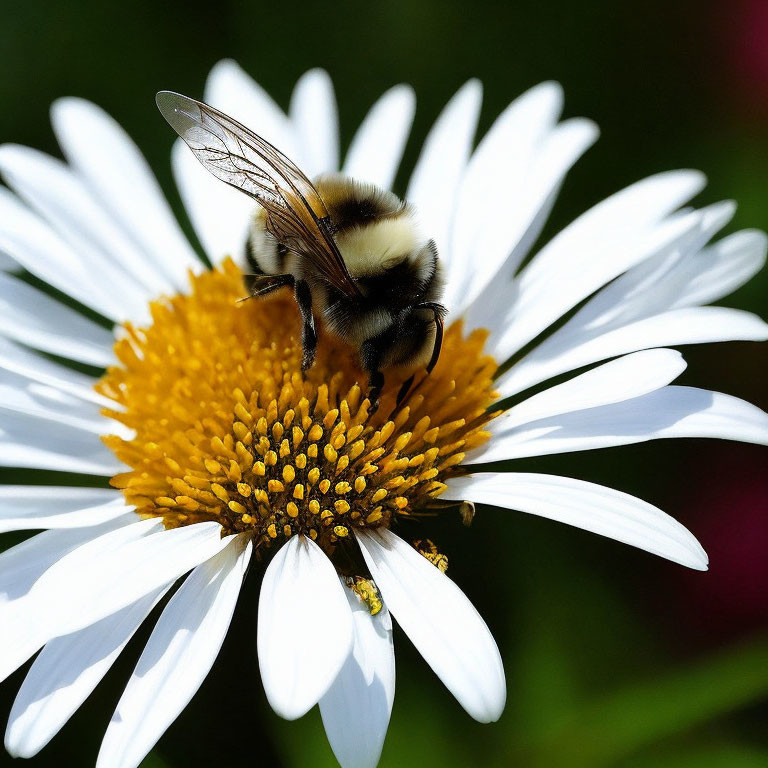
[103,252]
[32,318]
[652,286]
[316,122]
[22,396]
[17,359]
[231,90]
[501,158]
[92,142]
[377,147]
[655,284]
[663,282]
[585,505]
[305,627]
[363,692]
[7,263]
[492,188]
[26,619]
[29,507]
[693,325]
[21,566]
[612,382]
[99,579]
[668,412]
[434,185]
[598,246]
[219,214]
[178,656]
[722,268]
[440,621]
[506,241]
[29,441]
[36,248]
[64,675]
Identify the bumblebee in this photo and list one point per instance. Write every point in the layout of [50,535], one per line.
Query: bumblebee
[351,253]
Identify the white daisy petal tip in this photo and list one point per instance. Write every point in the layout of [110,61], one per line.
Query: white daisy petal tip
[305,630]
[580,132]
[376,149]
[405,93]
[317,77]
[552,85]
[759,241]
[475,84]
[61,109]
[224,68]
[64,674]
[8,155]
[315,120]
[435,182]
[230,89]
[701,563]
[589,128]
[692,178]
[548,91]
[440,621]
[364,690]
[178,656]
[469,95]
[719,213]
[588,506]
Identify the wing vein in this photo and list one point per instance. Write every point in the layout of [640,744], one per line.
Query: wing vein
[296,214]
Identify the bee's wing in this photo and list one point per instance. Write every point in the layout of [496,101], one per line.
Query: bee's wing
[296,214]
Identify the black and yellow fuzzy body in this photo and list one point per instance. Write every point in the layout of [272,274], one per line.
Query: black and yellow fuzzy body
[396,319]
[351,252]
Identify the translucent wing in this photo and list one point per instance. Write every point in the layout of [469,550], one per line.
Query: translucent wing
[296,214]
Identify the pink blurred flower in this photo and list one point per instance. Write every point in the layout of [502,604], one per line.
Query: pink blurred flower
[730,511]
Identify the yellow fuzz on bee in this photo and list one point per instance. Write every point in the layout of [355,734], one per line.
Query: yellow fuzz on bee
[228,429]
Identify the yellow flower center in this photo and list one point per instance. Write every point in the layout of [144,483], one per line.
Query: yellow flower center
[228,429]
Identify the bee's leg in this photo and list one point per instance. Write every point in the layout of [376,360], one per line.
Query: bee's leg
[261,285]
[308,330]
[404,389]
[375,384]
[370,357]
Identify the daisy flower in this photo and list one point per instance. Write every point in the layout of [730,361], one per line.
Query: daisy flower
[221,455]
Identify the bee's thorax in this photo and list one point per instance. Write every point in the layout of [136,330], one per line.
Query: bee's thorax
[394,267]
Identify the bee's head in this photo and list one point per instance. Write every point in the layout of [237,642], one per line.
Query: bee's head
[404,279]
[399,309]
[416,339]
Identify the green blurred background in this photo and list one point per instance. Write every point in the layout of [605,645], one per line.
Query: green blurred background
[613,657]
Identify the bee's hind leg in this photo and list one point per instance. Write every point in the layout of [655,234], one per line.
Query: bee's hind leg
[405,389]
[308,329]
[370,357]
[375,385]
